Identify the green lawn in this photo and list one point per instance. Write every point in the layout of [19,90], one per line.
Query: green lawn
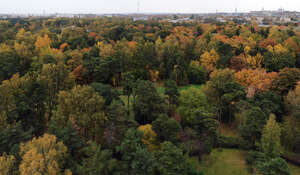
[225,162]
[161,89]
[230,162]
[295,170]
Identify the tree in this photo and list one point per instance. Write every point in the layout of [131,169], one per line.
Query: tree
[71,139]
[149,136]
[55,78]
[172,161]
[97,161]
[128,86]
[171,90]
[148,104]
[253,124]
[43,42]
[118,122]
[167,129]
[209,60]
[270,140]
[255,80]
[286,80]
[276,166]
[191,100]
[107,92]
[7,165]
[43,155]
[270,102]
[9,65]
[196,73]
[223,92]
[136,159]
[84,107]
[12,136]
[238,63]
[293,100]
[275,61]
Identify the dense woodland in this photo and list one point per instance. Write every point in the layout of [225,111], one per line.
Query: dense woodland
[111,96]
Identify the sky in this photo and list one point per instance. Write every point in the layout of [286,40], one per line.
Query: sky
[146,6]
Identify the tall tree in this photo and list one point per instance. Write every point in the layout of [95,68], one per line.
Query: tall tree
[84,107]
[148,104]
[270,140]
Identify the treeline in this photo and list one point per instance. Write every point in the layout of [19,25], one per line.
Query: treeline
[79,96]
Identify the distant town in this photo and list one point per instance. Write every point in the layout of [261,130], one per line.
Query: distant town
[262,17]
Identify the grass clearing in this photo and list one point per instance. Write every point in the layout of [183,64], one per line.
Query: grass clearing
[295,170]
[224,162]
[228,130]
[160,89]
[230,162]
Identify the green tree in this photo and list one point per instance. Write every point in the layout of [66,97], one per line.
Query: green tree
[107,92]
[97,161]
[55,78]
[11,137]
[276,166]
[167,129]
[171,90]
[277,61]
[254,120]
[128,86]
[118,122]
[136,159]
[9,65]
[270,140]
[171,160]
[196,73]
[148,104]
[191,100]
[83,106]
[286,81]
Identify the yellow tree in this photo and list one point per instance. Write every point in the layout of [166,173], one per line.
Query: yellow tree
[254,61]
[84,108]
[209,60]
[75,60]
[55,77]
[43,42]
[8,89]
[42,156]
[270,140]
[7,164]
[293,99]
[149,137]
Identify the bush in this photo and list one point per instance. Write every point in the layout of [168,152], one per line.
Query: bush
[232,142]
[255,157]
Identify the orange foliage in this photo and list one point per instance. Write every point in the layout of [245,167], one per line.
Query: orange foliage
[63,46]
[267,42]
[78,75]
[290,43]
[238,63]
[43,42]
[222,38]
[256,80]
[92,35]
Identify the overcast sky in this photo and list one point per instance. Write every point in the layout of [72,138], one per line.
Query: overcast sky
[146,6]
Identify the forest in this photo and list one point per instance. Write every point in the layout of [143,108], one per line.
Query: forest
[114,96]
